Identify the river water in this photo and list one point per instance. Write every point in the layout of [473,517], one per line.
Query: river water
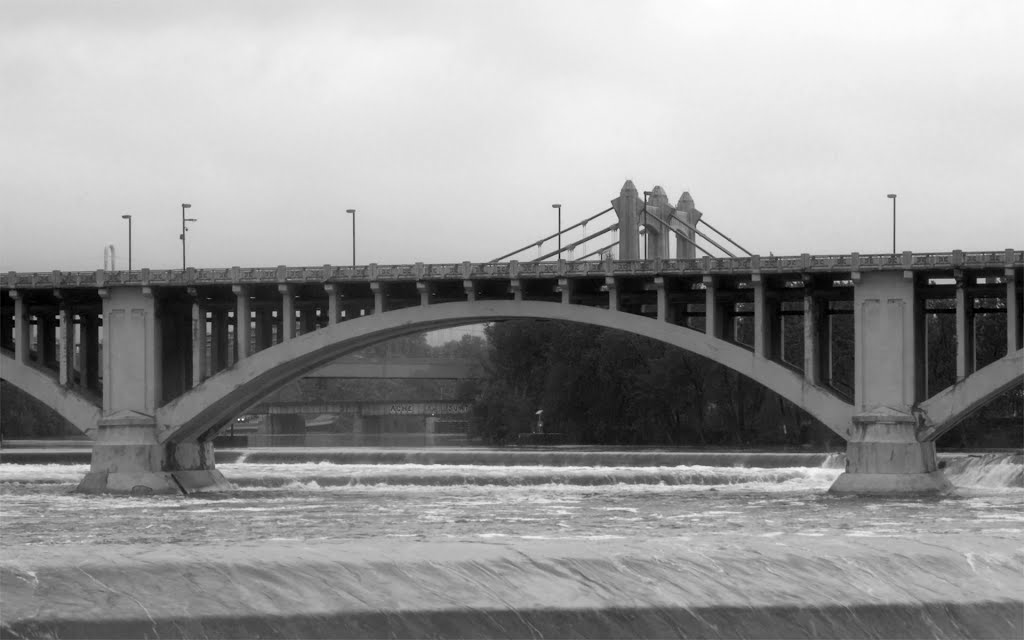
[499,543]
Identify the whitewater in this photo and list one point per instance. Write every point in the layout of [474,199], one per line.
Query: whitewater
[506,543]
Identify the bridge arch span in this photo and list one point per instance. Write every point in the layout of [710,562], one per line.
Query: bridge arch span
[71,406]
[219,399]
[945,409]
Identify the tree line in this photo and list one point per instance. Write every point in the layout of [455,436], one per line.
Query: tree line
[601,386]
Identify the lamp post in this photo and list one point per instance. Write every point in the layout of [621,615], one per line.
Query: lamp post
[128,217]
[893,197]
[184,205]
[353,212]
[643,225]
[559,207]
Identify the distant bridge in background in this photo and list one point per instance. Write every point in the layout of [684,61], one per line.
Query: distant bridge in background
[400,367]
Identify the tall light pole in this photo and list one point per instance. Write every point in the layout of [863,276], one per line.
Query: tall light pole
[128,217]
[184,205]
[893,197]
[643,225]
[353,212]
[559,207]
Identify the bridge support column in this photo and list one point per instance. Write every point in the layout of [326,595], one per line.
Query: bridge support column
[127,458]
[883,457]
[817,339]
[964,329]
[333,308]
[613,292]
[22,328]
[424,289]
[662,298]
[198,342]
[469,287]
[378,296]
[66,344]
[287,312]
[243,322]
[1013,315]
[564,287]
[883,454]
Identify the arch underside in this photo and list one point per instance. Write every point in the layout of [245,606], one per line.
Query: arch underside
[205,408]
[947,408]
[76,409]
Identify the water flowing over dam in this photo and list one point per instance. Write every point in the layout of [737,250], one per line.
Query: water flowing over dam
[515,543]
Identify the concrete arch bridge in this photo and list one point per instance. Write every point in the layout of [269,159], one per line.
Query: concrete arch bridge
[186,351]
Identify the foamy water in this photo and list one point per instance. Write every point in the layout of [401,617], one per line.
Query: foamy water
[330,549]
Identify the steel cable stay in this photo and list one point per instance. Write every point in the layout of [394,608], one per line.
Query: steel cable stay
[553,235]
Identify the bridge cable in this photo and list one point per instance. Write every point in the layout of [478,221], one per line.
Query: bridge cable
[553,235]
[702,221]
[611,227]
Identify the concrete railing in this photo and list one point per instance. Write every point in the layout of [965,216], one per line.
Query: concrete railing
[837,263]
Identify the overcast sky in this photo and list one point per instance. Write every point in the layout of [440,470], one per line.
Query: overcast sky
[453,126]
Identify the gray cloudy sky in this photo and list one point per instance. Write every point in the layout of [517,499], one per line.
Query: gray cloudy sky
[452,126]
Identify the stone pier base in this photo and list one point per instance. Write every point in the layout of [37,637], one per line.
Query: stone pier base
[884,458]
[128,459]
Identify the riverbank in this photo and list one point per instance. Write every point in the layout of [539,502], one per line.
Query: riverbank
[725,587]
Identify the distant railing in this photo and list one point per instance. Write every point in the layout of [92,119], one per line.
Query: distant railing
[835,263]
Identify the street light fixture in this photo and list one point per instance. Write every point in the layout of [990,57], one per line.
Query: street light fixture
[893,197]
[184,205]
[128,217]
[559,207]
[353,212]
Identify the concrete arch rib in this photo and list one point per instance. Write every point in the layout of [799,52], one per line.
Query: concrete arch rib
[224,396]
[77,410]
[945,409]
